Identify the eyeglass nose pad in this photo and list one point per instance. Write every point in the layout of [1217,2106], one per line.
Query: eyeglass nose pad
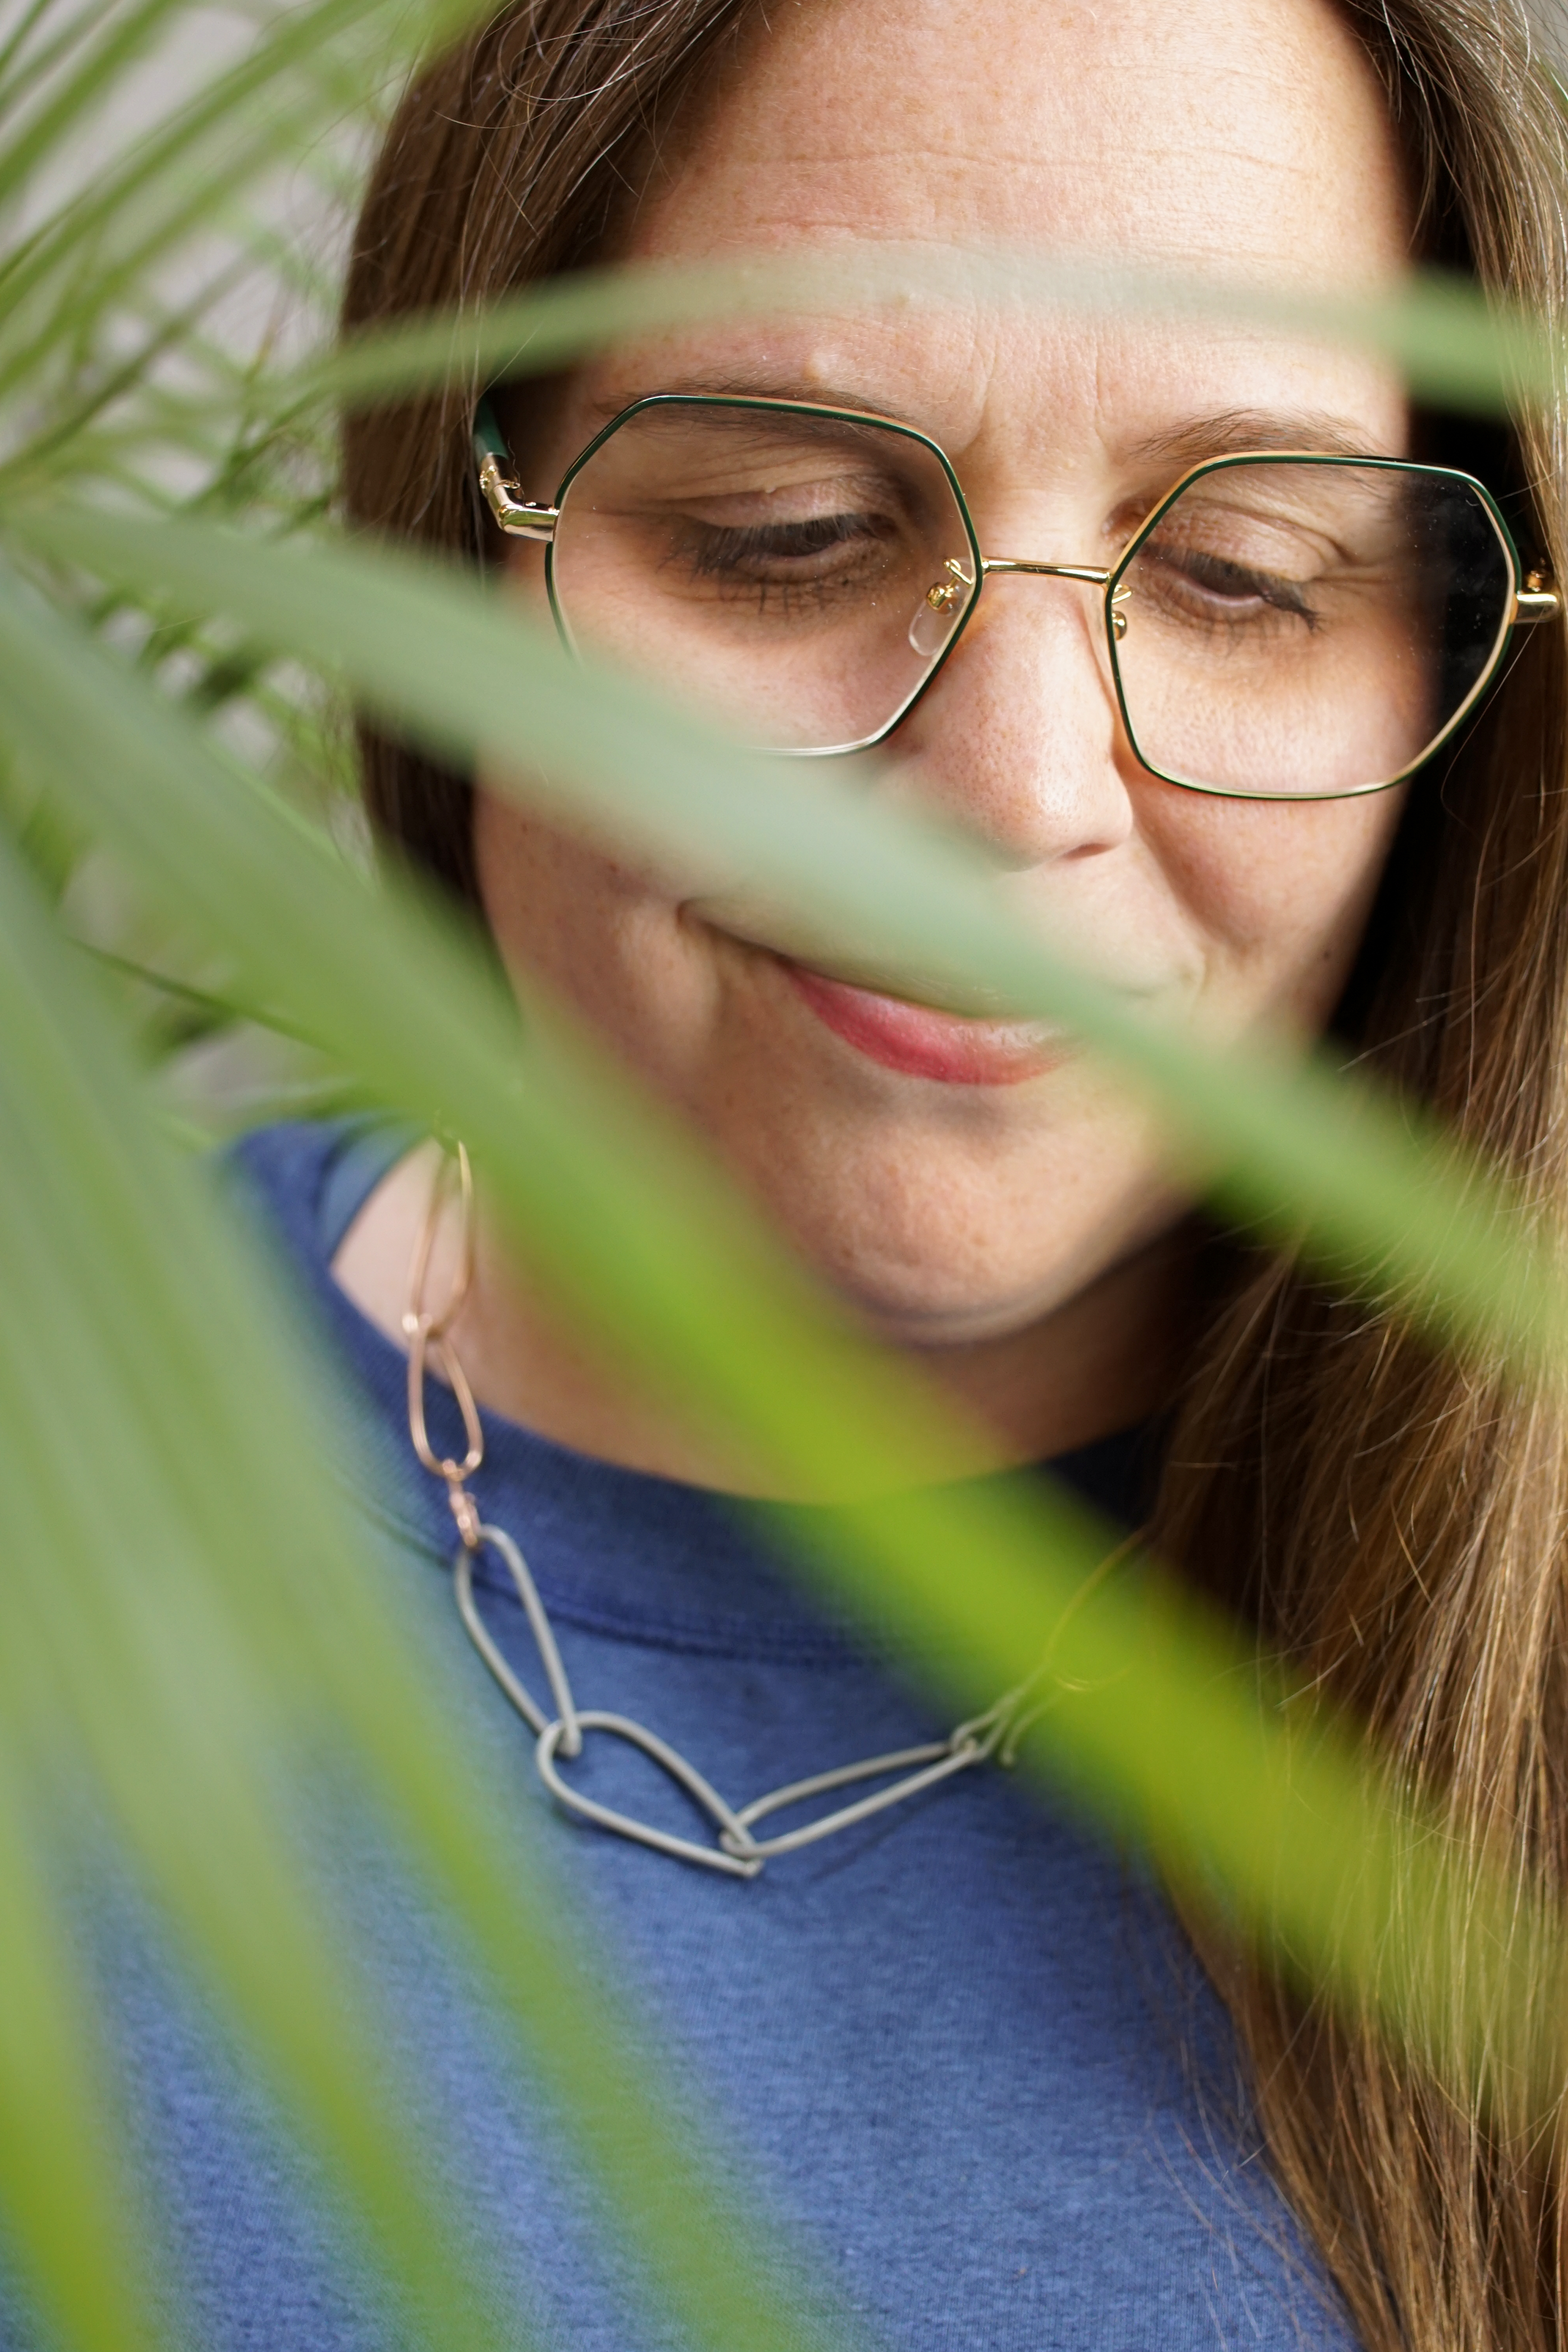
[936,614]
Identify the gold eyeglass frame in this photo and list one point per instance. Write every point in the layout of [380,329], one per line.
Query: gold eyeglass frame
[1530,597]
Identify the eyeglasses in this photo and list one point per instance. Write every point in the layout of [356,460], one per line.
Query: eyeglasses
[1287,626]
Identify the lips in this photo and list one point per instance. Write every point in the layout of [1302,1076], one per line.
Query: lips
[924,1041]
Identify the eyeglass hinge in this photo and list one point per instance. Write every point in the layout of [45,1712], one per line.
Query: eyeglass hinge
[1538,600]
[519,517]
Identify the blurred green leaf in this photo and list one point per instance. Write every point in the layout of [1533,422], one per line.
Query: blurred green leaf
[1454,344]
[62,2195]
[620,1214]
[131,1341]
[251,1613]
[95,256]
[254,1628]
[127,34]
[1379,1195]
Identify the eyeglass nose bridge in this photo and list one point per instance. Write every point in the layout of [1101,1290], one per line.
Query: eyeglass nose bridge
[1096,578]
[946,593]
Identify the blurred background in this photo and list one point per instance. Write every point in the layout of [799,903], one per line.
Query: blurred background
[240,299]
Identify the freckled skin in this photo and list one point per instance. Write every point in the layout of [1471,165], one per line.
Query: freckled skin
[1026,1240]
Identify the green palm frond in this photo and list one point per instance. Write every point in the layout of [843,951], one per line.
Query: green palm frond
[1296,1145]
[204,1608]
[657,1255]
[199,1609]
[1454,344]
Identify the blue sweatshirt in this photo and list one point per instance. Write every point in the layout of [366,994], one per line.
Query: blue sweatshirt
[960,2054]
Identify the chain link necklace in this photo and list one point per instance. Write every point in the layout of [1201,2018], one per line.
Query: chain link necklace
[736,1848]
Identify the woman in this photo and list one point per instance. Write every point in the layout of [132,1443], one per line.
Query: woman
[944,2039]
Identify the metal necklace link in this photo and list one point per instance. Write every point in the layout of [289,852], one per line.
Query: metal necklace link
[735,1849]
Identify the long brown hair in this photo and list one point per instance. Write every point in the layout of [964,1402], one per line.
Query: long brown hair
[1392,1518]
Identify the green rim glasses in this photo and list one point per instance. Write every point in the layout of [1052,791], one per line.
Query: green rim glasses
[1281,625]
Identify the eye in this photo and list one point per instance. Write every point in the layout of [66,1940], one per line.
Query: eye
[795,566]
[1224,589]
[756,548]
[1239,584]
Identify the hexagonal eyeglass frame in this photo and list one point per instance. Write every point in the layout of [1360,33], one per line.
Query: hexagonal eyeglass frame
[1506,599]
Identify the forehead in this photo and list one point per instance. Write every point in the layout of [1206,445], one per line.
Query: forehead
[1248,139]
[1250,136]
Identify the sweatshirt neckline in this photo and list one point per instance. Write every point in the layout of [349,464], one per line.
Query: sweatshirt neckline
[621,1552]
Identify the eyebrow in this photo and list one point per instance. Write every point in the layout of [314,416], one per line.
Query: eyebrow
[1224,434]
[742,387]
[1233,430]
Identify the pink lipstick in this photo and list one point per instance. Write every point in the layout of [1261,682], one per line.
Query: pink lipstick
[924,1043]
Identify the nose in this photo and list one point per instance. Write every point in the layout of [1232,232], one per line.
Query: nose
[1018,738]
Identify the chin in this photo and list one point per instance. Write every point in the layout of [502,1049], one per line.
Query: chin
[960,1265]
[942,1299]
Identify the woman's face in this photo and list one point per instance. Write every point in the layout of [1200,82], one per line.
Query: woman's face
[959,1180]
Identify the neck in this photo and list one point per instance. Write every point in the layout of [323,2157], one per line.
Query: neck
[1102,1361]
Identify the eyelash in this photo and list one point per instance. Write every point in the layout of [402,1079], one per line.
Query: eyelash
[1216,576]
[711,553]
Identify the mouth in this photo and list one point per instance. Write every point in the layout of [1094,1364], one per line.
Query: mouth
[924,1041]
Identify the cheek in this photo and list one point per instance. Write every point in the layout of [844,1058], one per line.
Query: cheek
[1281,893]
[546,897]
[596,930]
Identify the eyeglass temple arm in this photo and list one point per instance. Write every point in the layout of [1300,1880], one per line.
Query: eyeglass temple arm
[519,517]
[1538,600]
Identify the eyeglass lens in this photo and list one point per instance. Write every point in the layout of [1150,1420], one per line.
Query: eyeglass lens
[1294,629]
[774,565]
[1283,627]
